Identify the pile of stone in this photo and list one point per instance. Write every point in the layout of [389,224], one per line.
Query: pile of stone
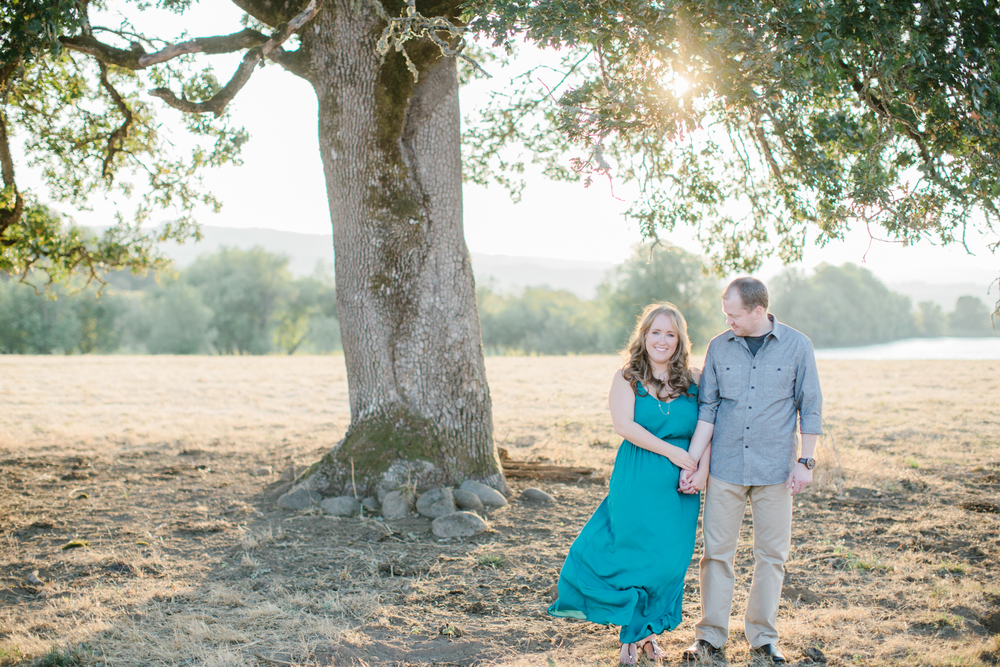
[455,512]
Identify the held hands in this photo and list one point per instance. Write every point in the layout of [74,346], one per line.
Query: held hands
[681,459]
[684,482]
[693,481]
[800,478]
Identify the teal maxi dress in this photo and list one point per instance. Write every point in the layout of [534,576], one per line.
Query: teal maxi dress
[627,565]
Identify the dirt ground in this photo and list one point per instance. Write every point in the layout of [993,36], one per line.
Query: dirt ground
[138,523]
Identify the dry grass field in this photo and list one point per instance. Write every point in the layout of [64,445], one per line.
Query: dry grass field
[138,526]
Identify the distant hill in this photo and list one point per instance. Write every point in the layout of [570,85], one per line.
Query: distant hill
[510,274]
[305,251]
[977,283]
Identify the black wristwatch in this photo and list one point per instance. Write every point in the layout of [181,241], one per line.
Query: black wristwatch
[809,463]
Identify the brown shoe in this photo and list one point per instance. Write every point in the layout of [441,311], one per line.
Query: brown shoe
[698,650]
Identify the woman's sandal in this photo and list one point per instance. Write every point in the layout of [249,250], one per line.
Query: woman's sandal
[652,650]
[629,655]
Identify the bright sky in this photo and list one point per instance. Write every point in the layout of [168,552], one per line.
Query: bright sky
[281,186]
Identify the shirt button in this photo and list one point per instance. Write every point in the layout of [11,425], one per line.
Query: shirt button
[755,368]
[751,386]
[746,446]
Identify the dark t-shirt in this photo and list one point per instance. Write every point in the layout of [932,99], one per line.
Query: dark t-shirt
[754,342]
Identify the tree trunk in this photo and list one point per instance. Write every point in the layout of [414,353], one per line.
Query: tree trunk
[420,404]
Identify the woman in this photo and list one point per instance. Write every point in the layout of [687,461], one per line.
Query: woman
[626,567]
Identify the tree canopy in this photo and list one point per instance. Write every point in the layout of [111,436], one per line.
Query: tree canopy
[764,125]
[75,107]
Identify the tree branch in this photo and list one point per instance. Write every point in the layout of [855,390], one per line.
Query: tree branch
[286,30]
[270,12]
[765,146]
[105,53]
[218,102]
[8,216]
[238,41]
[136,58]
[291,61]
[117,137]
[6,161]
[6,74]
[881,108]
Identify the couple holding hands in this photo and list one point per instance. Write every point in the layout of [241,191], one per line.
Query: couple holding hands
[730,430]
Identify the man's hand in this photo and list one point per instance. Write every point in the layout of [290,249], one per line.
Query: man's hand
[693,481]
[684,481]
[800,478]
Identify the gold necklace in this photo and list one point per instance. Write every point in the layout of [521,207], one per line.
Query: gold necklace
[659,403]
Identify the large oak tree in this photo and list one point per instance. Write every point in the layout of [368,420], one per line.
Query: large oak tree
[389,138]
[765,125]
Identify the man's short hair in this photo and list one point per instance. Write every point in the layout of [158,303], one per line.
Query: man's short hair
[751,291]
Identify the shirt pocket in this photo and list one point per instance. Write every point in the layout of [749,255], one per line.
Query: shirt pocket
[730,378]
[779,380]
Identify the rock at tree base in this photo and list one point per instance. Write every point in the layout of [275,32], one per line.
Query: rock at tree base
[458,524]
[370,504]
[397,504]
[487,494]
[537,497]
[299,499]
[262,471]
[436,503]
[341,506]
[467,500]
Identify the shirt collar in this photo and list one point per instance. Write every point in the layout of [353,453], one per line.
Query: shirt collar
[777,329]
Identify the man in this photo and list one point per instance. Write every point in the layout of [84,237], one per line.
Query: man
[759,382]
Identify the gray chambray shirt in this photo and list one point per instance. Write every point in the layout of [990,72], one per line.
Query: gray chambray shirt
[756,403]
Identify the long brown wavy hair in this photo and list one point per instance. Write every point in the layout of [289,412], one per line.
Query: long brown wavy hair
[637,369]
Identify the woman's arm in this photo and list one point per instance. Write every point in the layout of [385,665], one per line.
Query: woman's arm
[701,441]
[701,449]
[621,400]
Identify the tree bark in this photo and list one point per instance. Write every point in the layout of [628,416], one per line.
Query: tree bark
[420,405]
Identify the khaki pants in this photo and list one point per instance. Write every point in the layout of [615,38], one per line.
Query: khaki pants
[725,504]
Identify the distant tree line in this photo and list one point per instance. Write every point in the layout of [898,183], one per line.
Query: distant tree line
[232,302]
[847,306]
[544,321]
[247,302]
